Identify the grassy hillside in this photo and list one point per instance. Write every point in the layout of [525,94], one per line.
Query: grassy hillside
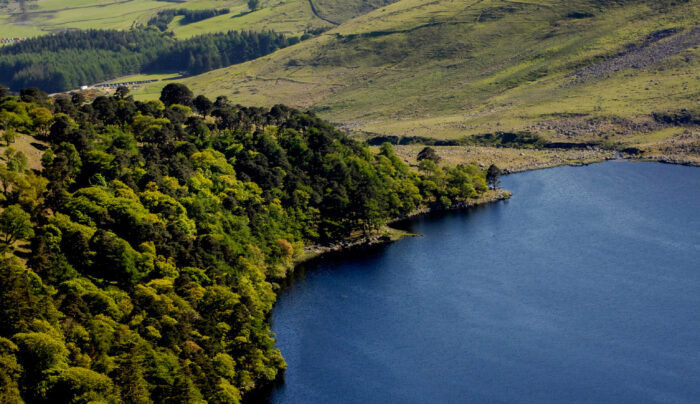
[575,71]
[53,15]
[292,17]
[341,11]
[578,71]
[286,16]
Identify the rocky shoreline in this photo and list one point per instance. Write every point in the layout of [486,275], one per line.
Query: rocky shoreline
[664,159]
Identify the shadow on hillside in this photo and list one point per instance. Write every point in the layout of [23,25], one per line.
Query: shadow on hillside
[39,146]
[241,14]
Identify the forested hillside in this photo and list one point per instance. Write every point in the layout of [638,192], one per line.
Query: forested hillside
[141,261]
[69,60]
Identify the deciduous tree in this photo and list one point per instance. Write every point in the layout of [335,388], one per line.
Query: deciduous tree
[493,176]
[203,105]
[428,153]
[176,93]
[15,224]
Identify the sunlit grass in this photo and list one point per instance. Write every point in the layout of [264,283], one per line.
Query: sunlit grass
[144,77]
[436,69]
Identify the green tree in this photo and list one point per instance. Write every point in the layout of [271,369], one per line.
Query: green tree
[184,390]
[176,93]
[428,153]
[15,224]
[146,126]
[23,298]
[203,105]
[62,128]
[40,354]
[63,165]
[114,259]
[42,118]
[80,385]
[34,95]
[427,166]
[78,99]
[253,4]
[129,377]
[121,93]
[8,182]
[16,160]
[493,176]
[10,372]
[9,136]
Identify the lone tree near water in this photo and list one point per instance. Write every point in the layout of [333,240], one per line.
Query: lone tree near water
[493,176]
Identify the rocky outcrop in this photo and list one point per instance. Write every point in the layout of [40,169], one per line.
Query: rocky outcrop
[656,47]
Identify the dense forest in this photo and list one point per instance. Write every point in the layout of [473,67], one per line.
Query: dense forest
[68,60]
[141,261]
[165,17]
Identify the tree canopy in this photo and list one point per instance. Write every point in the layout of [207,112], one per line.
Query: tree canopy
[493,176]
[176,93]
[158,240]
[15,224]
[428,153]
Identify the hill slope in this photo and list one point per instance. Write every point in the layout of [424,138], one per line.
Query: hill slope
[579,70]
[285,16]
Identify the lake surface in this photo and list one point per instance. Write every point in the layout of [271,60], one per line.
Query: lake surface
[584,287]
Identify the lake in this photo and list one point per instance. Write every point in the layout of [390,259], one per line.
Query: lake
[584,287]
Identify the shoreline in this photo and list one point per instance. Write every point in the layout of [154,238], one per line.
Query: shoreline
[389,234]
[543,166]
[667,160]
[516,160]
[385,235]
[379,278]
[636,159]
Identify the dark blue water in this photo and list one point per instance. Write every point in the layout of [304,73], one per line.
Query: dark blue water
[584,287]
